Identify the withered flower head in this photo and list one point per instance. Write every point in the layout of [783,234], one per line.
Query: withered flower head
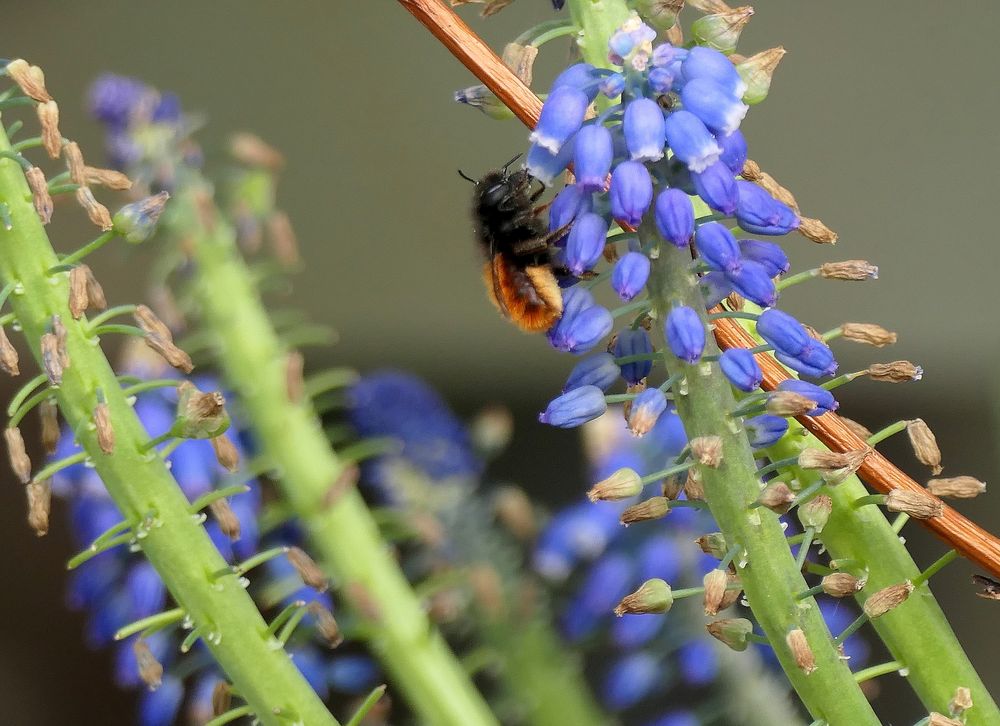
[924,444]
[652,508]
[856,270]
[916,503]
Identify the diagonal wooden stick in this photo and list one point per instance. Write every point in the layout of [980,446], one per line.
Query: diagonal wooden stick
[965,536]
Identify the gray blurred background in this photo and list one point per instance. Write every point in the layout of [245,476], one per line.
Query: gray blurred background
[881,120]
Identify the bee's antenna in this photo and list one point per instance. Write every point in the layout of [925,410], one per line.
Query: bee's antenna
[507,165]
[466,177]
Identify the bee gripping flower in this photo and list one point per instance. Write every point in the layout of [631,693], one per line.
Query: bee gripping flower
[575,407]
[685,334]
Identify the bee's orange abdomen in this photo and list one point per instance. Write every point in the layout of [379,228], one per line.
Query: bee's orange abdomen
[529,297]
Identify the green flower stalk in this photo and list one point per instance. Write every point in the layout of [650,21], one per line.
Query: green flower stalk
[160,518]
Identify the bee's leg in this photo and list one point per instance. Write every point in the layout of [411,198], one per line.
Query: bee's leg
[539,244]
[564,272]
[541,190]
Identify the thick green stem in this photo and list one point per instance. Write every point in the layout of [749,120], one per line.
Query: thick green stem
[141,485]
[339,524]
[770,578]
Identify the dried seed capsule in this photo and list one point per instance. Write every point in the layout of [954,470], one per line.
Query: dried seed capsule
[772,187]
[105,431]
[734,632]
[886,599]
[199,415]
[95,293]
[159,338]
[226,452]
[229,523]
[937,719]
[956,487]
[136,222]
[51,360]
[39,505]
[520,59]
[96,212]
[222,698]
[8,355]
[75,163]
[326,625]
[652,508]
[694,487]
[653,596]
[734,588]
[48,119]
[672,486]
[834,466]
[59,330]
[622,484]
[308,570]
[777,497]
[857,429]
[48,412]
[150,669]
[18,455]
[816,512]
[757,71]
[856,270]
[78,298]
[961,702]
[107,178]
[40,197]
[900,371]
[801,652]
[487,589]
[707,450]
[842,584]
[868,333]
[924,444]
[30,79]
[788,403]
[916,503]
[715,582]
[815,230]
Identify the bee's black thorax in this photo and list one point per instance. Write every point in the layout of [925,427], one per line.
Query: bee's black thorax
[505,218]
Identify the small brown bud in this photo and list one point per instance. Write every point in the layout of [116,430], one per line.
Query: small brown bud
[18,455]
[707,450]
[40,196]
[610,253]
[653,597]
[956,487]
[757,72]
[788,403]
[857,429]
[150,669]
[95,293]
[777,497]
[107,178]
[734,632]
[48,119]
[961,702]
[801,652]
[672,487]
[842,584]
[487,589]
[284,243]
[97,213]
[516,513]
[899,371]
[228,522]
[39,505]
[200,415]
[834,466]
[694,486]
[990,587]
[520,59]
[78,299]
[252,150]
[60,332]
[886,599]
[622,484]
[853,270]
[326,625]
[868,333]
[652,508]
[734,588]
[937,719]
[294,378]
[816,231]
[816,512]
[30,79]
[159,338]
[51,360]
[735,302]
[75,163]
[916,503]
[48,412]
[105,431]
[751,171]
[308,570]
[222,698]
[8,355]
[225,452]
[714,544]
[715,582]
[924,444]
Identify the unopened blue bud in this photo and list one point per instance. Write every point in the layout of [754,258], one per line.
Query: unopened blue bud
[717,246]
[570,202]
[646,410]
[583,323]
[685,334]
[674,215]
[734,150]
[661,80]
[760,213]
[666,54]
[782,331]
[580,76]
[630,680]
[709,63]
[546,166]
[631,192]
[561,117]
[136,222]
[714,286]
[630,274]
[586,242]
[643,126]
[815,359]
[598,370]
[766,253]
[717,187]
[691,141]
[753,281]
[716,106]
[741,368]
[113,99]
[593,151]
[632,44]
[629,343]
[823,398]
[613,85]
[765,430]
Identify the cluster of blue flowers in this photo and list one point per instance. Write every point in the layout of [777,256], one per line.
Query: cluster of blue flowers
[671,146]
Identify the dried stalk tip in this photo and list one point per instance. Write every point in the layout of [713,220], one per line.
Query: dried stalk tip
[734,632]
[751,170]
[672,486]
[40,197]
[75,163]
[694,487]
[842,584]
[735,302]
[857,429]
[777,497]
[772,187]
[714,544]
[514,510]
[834,466]
[916,503]
[854,270]
[715,582]
[107,178]
[815,230]
[150,669]
[653,597]
[868,333]
[48,119]
[326,625]
[623,484]
[520,59]
[308,570]
[229,523]
[294,376]
[159,338]
[924,444]
[8,355]
[18,455]
[79,300]
[707,450]
[48,413]
[899,371]
[936,719]
[105,431]
[51,360]
[97,213]
[199,415]
[652,508]
[30,79]
[95,293]
[956,487]
[886,599]
[961,702]
[39,505]
[226,453]
[801,652]
[284,243]
[60,332]
[788,403]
